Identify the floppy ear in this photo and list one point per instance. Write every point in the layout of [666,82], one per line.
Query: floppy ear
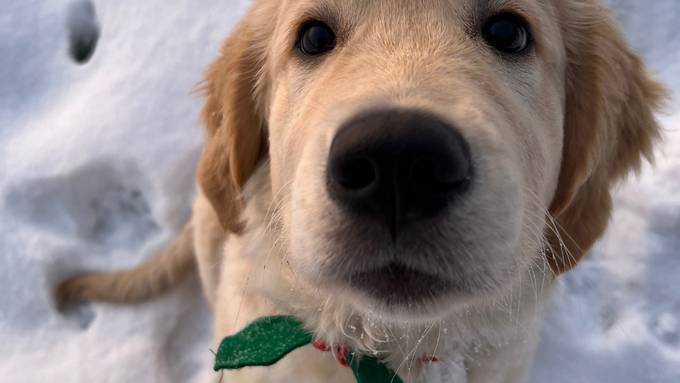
[234,118]
[609,128]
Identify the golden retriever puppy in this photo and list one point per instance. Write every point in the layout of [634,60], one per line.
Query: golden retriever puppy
[407,177]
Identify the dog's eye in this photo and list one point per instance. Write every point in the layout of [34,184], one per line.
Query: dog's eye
[316,38]
[507,33]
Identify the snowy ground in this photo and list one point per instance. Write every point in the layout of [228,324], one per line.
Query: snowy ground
[97,168]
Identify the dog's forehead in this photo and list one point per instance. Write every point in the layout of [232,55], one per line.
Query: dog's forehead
[440,28]
[401,10]
[419,21]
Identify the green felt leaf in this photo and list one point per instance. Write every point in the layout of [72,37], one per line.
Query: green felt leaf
[267,340]
[371,370]
[263,343]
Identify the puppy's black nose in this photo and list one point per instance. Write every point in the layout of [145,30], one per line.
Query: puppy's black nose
[398,166]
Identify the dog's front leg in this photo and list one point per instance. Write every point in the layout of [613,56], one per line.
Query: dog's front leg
[239,300]
[304,365]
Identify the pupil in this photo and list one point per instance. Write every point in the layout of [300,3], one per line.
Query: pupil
[318,39]
[505,33]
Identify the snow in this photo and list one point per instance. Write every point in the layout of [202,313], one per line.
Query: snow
[97,164]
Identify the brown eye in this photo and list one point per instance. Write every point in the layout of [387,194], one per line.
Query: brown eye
[507,33]
[316,38]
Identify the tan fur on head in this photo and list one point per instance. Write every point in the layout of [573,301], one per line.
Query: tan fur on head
[609,129]
[609,123]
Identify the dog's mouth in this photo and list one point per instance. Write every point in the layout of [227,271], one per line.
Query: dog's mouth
[397,284]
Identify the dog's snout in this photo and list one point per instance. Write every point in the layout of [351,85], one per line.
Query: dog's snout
[398,166]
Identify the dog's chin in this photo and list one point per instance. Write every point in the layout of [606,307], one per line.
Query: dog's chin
[400,293]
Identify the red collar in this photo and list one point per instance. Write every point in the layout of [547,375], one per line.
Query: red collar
[340,350]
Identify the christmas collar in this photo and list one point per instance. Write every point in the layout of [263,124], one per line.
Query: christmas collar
[268,340]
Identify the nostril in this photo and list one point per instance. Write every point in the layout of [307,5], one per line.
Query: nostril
[356,174]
